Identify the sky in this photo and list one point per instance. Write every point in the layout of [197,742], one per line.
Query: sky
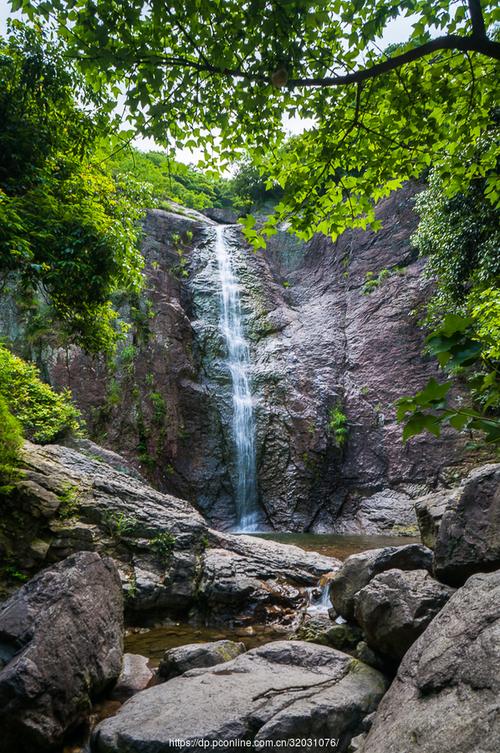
[396,31]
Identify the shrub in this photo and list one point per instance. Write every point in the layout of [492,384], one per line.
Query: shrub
[43,414]
[11,439]
[118,524]
[163,544]
[337,425]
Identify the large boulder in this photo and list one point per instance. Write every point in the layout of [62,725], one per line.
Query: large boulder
[468,540]
[279,691]
[396,607]
[430,510]
[169,560]
[61,642]
[178,660]
[359,569]
[445,696]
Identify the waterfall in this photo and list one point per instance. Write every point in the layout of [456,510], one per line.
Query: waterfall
[238,362]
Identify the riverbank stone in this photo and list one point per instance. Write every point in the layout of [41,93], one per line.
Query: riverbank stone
[178,660]
[444,698]
[358,569]
[395,608]
[468,540]
[283,690]
[61,637]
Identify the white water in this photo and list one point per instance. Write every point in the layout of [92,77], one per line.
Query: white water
[319,598]
[238,362]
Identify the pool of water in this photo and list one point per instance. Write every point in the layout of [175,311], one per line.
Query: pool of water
[154,642]
[339,546]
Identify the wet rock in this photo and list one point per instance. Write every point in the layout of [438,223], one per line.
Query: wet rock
[62,642]
[468,540]
[279,691]
[169,560]
[135,675]
[176,661]
[396,607]
[445,695]
[358,569]
[319,628]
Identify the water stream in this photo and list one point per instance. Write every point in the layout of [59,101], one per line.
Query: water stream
[238,362]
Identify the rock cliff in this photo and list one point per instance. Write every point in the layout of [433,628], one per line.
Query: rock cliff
[334,337]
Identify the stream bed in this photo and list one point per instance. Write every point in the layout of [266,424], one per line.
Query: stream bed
[155,641]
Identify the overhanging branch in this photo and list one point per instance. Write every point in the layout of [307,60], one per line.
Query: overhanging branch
[482,45]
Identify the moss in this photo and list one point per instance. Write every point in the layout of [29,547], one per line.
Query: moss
[43,414]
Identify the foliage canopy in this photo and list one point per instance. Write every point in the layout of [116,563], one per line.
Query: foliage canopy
[223,75]
[68,230]
[460,237]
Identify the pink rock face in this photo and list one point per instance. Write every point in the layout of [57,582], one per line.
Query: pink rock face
[318,341]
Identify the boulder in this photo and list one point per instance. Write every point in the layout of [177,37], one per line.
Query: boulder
[61,638]
[169,560]
[445,696]
[430,510]
[282,690]
[256,579]
[396,607]
[468,540]
[359,569]
[136,675]
[178,660]
[320,628]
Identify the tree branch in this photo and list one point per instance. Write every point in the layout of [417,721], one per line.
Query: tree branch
[474,43]
[476,17]
[452,42]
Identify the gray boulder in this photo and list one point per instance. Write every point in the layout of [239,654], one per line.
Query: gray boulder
[61,639]
[359,569]
[396,607]
[170,561]
[430,510]
[279,691]
[136,675]
[445,696]
[178,660]
[468,540]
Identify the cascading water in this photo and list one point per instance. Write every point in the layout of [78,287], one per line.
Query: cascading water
[238,361]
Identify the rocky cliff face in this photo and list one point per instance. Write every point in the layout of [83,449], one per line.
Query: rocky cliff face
[332,326]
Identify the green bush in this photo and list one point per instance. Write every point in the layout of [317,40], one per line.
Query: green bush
[43,414]
[163,544]
[337,425]
[11,439]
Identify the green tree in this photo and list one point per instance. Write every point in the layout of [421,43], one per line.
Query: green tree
[460,237]
[222,75]
[68,231]
[170,179]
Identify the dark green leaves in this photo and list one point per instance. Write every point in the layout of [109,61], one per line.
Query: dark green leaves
[200,73]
